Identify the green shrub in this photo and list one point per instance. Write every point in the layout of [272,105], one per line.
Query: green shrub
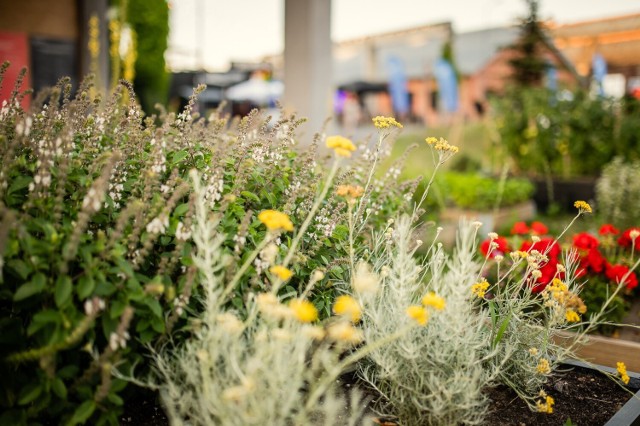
[477,192]
[95,247]
[564,134]
[616,189]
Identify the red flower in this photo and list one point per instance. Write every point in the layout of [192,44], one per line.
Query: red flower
[519,228]
[585,241]
[501,249]
[608,229]
[625,238]
[539,228]
[617,272]
[549,271]
[546,246]
[593,261]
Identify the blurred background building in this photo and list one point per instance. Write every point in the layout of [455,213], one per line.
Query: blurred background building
[429,74]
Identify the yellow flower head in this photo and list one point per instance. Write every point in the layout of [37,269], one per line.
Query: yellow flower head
[441,145]
[342,146]
[281,272]
[572,316]
[433,300]
[348,306]
[385,122]
[350,191]
[582,206]
[271,307]
[546,406]
[344,332]
[303,310]
[480,288]
[622,370]
[543,366]
[275,220]
[418,313]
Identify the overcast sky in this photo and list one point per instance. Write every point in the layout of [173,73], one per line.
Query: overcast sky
[245,30]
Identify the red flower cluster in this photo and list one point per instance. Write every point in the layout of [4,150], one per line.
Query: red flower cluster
[592,261]
[502,247]
[547,246]
[536,228]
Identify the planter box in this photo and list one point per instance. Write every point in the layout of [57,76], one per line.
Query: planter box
[629,414]
[607,351]
[565,192]
[450,216]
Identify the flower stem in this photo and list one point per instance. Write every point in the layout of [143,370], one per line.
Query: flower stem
[307,221]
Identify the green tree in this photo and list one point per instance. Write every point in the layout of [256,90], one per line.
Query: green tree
[150,20]
[529,65]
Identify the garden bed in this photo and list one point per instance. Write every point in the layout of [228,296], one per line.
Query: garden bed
[581,393]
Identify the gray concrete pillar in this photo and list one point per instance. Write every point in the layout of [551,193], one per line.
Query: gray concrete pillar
[308,61]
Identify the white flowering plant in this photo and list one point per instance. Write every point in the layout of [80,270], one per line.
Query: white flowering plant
[96,237]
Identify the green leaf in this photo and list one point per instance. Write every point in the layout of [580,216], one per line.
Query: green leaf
[36,285]
[42,319]
[125,267]
[83,412]
[29,393]
[181,209]
[115,399]
[117,308]
[158,326]
[20,267]
[19,183]
[501,330]
[251,195]
[59,388]
[68,371]
[63,290]
[85,286]
[179,156]
[155,307]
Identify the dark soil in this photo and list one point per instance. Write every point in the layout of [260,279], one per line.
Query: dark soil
[585,396]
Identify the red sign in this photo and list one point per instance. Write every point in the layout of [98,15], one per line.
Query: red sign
[14,47]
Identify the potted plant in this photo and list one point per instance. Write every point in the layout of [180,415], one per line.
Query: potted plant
[552,138]
[488,199]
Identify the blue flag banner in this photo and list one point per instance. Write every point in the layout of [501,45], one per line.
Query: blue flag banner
[447,85]
[552,77]
[398,85]
[599,69]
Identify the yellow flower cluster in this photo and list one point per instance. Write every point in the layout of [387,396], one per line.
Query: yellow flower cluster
[275,220]
[558,295]
[350,191]
[94,34]
[571,316]
[342,146]
[543,366]
[582,206]
[271,307]
[545,406]
[517,255]
[281,272]
[418,313]
[433,300]
[385,122]
[622,370]
[349,307]
[480,288]
[441,145]
[344,332]
[364,280]
[303,310]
